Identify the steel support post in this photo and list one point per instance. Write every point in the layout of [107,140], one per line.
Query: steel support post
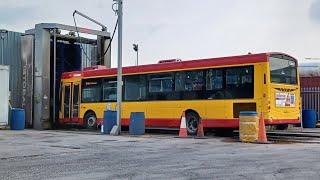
[119,75]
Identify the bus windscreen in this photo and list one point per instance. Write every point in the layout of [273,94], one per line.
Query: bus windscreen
[283,70]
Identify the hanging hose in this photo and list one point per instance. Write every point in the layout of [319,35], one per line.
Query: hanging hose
[85,53]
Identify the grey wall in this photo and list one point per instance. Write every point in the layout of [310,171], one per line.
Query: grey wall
[10,54]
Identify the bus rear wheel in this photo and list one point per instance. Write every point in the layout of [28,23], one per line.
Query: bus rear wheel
[90,120]
[192,120]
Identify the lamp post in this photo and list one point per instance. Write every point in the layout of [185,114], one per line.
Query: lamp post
[136,49]
[119,69]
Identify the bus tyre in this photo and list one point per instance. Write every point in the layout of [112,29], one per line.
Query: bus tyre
[192,120]
[90,120]
[282,127]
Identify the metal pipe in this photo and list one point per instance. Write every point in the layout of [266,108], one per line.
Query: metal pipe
[2,44]
[119,74]
[54,72]
[2,32]
[104,28]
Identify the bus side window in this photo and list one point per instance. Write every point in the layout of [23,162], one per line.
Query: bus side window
[239,82]
[214,79]
[189,81]
[214,84]
[135,88]
[91,90]
[161,83]
[109,89]
[161,87]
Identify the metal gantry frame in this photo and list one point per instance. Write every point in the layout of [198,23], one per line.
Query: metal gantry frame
[54,74]
[42,34]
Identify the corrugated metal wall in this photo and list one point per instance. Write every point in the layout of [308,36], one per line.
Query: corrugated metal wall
[10,54]
[311,98]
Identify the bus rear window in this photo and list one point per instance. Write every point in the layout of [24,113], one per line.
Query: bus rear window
[283,70]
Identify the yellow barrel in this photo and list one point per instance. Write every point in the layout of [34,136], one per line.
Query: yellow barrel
[248,126]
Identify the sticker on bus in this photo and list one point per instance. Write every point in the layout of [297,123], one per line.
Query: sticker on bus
[285,99]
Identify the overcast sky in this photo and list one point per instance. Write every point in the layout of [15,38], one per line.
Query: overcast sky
[186,29]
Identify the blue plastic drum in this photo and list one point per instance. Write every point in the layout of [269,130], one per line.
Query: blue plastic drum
[248,113]
[17,119]
[109,120]
[309,118]
[137,123]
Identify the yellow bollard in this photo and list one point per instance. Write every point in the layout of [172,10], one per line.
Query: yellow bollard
[248,126]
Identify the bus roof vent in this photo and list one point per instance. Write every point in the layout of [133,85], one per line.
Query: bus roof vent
[169,61]
[94,68]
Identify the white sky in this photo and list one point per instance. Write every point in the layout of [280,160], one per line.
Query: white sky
[186,29]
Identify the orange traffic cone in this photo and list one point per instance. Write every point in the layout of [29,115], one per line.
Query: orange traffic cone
[183,128]
[200,132]
[262,135]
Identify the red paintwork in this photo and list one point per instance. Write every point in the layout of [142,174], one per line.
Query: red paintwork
[200,63]
[282,121]
[175,123]
[220,123]
[95,68]
[187,64]
[67,75]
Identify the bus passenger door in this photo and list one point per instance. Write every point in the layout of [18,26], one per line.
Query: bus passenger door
[66,102]
[75,102]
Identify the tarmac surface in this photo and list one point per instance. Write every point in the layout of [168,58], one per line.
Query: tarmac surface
[31,154]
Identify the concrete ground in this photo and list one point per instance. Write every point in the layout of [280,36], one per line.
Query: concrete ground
[31,154]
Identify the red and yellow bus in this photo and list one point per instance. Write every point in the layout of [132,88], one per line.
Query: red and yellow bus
[214,90]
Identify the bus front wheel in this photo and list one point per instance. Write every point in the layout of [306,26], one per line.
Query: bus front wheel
[90,120]
[192,120]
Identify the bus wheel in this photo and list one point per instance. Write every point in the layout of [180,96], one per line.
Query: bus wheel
[192,120]
[90,120]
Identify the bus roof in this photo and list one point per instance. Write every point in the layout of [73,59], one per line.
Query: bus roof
[171,66]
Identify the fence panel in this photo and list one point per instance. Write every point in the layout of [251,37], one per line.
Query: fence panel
[310,98]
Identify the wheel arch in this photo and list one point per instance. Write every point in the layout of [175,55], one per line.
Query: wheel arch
[89,111]
[194,111]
